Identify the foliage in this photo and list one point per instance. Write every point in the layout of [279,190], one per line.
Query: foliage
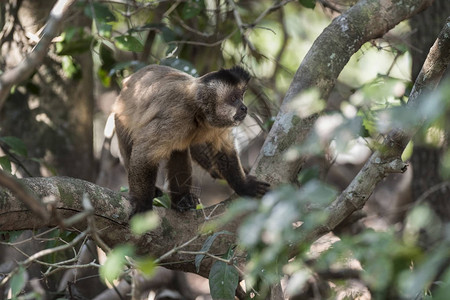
[144,222]
[198,36]
[115,262]
[223,278]
[206,246]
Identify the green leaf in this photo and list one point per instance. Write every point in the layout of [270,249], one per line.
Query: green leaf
[107,56]
[16,145]
[146,266]
[100,12]
[74,41]
[251,229]
[76,46]
[163,201]
[104,73]
[5,164]
[115,262]
[223,280]
[141,223]
[70,67]
[308,3]
[104,77]
[128,43]
[133,65]
[104,30]
[18,281]
[206,246]
[180,64]
[318,193]
[168,34]
[12,236]
[192,8]
[308,174]
[235,210]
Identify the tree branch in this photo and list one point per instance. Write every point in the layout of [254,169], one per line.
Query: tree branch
[367,20]
[389,159]
[23,70]
[111,212]
[24,195]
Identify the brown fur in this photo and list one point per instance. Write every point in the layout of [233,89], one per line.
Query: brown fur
[163,113]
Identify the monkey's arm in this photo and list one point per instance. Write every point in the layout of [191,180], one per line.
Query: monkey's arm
[229,166]
[204,155]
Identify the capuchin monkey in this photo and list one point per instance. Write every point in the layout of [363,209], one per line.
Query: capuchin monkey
[165,114]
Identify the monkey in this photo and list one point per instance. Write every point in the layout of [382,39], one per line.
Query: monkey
[162,113]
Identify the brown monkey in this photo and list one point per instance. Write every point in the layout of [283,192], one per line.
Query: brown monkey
[162,113]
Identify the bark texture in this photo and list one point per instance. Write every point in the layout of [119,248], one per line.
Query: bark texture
[111,212]
[367,20]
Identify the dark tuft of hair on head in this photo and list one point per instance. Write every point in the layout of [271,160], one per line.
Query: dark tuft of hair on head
[232,76]
[241,73]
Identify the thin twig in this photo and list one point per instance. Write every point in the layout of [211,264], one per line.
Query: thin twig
[227,261]
[176,249]
[34,237]
[240,25]
[87,205]
[332,7]
[41,253]
[268,11]
[14,159]
[213,44]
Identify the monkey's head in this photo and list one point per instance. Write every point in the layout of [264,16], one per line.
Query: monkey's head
[220,95]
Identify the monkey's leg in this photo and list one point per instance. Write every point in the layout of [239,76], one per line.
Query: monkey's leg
[141,179]
[179,174]
[204,155]
[229,166]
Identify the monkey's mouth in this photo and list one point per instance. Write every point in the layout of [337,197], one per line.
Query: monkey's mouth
[239,117]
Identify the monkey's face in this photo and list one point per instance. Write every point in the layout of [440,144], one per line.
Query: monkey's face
[230,110]
[220,96]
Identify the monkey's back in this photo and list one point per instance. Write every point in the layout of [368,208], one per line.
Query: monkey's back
[157,109]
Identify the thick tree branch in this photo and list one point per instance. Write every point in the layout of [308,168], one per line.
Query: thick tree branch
[389,159]
[111,211]
[367,20]
[24,195]
[23,70]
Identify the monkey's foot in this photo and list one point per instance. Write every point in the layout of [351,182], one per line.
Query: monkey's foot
[187,202]
[140,207]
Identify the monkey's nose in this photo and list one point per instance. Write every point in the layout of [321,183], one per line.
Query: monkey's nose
[244,108]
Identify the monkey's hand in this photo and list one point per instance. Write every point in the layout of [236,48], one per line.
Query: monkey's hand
[187,202]
[253,187]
